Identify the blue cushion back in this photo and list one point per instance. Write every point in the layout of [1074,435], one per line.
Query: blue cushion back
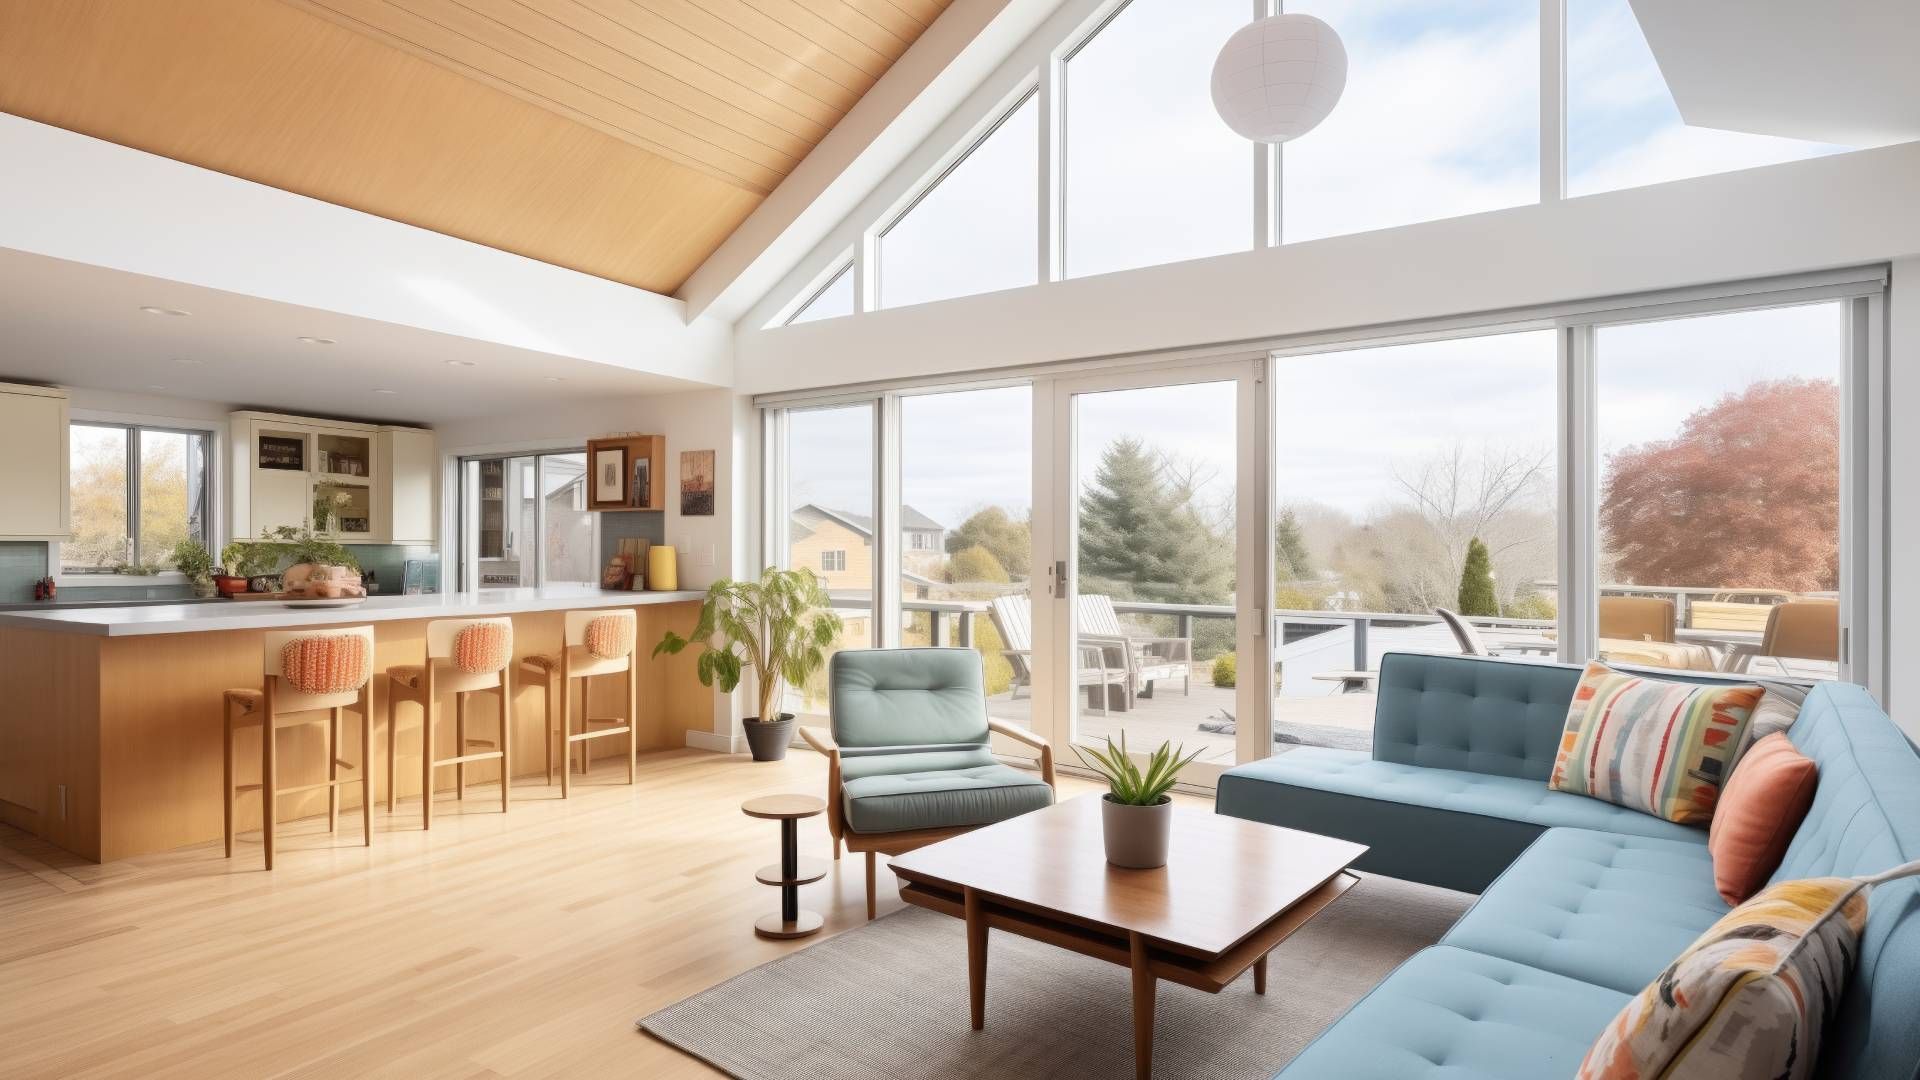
[1500,717]
[1865,819]
[907,697]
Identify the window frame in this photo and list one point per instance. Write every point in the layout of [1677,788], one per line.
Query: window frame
[213,536]
[842,268]
[464,568]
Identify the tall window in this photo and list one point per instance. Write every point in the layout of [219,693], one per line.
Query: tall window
[1719,503]
[136,493]
[1623,128]
[834,299]
[1440,117]
[829,508]
[524,522]
[1152,175]
[966,513]
[976,228]
[1409,478]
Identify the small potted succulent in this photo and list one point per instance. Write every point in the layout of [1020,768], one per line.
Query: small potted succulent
[191,559]
[781,626]
[1136,814]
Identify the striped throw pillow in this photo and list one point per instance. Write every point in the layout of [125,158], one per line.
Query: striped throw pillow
[1749,997]
[325,663]
[1663,748]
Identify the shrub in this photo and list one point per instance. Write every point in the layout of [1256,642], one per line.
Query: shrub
[976,564]
[1476,582]
[1226,670]
[986,639]
[1533,606]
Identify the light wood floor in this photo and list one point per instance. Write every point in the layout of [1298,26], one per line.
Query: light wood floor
[516,945]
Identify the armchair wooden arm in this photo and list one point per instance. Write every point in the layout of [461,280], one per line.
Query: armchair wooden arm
[820,739]
[1038,742]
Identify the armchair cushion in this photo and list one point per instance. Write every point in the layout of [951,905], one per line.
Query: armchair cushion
[904,697]
[895,760]
[938,798]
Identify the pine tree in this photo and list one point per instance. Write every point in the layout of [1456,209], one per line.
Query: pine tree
[1290,559]
[1141,537]
[1476,582]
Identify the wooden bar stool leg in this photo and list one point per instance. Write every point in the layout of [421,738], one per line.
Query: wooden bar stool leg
[269,777]
[366,765]
[333,769]
[506,735]
[426,763]
[393,786]
[546,722]
[460,745]
[586,725]
[226,775]
[566,731]
[633,717]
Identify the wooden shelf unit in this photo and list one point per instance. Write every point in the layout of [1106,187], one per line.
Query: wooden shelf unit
[650,448]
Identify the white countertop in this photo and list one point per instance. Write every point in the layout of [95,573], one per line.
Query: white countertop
[274,615]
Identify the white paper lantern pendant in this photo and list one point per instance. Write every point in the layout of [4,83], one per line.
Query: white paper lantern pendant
[1278,77]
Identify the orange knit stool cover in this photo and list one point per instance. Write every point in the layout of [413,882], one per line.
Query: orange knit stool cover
[328,664]
[609,637]
[483,648]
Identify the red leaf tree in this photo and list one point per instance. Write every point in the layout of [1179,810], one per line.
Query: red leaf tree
[1746,496]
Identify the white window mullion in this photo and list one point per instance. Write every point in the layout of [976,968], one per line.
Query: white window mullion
[886,522]
[1579,496]
[1553,100]
[1051,158]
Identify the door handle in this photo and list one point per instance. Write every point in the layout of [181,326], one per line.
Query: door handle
[1058,572]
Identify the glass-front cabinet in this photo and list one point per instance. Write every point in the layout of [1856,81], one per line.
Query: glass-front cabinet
[351,482]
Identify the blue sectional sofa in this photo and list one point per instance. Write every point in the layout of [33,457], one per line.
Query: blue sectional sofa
[1582,903]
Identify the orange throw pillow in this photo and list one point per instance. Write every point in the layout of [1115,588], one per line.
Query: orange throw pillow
[325,663]
[1759,812]
[483,648]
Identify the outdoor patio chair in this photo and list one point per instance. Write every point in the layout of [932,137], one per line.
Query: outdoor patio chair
[1463,632]
[1102,664]
[1796,630]
[1636,618]
[1149,659]
[909,754]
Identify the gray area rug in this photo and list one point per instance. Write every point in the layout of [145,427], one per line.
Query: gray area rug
[890,999]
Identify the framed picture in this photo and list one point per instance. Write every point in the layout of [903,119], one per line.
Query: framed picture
[696,483]
[355,525]
[617,575]
[642,489]
[610,476]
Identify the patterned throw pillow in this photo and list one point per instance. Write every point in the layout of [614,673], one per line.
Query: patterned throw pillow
[325,663]
[483,648]
[1749,997]
[1660,747]
[609,637]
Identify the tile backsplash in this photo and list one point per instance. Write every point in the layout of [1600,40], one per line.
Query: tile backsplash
[22,562]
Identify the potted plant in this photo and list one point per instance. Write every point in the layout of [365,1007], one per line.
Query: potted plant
[190,557]
[1136,814]
[301,558]
[780,626]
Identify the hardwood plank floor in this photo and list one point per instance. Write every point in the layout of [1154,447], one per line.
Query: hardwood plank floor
[515,945]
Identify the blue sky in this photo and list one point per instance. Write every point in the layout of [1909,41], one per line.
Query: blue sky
[1439,118]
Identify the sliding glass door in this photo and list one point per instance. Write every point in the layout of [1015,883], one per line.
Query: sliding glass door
[1157,502]
[524,522]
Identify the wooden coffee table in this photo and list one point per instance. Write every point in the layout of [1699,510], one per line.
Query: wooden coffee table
[1231,891]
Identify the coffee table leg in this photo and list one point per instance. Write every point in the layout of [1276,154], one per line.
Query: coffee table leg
[1260,975]
[976,958]
[1143,988]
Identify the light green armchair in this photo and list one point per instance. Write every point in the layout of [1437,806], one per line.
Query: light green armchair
[908,756]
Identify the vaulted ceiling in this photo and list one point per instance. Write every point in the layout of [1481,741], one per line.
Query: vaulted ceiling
[621,138]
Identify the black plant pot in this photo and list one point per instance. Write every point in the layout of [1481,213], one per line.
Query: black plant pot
[768,738]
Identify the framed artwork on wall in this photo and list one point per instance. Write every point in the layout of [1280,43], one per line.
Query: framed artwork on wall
[696,483]
[609,477]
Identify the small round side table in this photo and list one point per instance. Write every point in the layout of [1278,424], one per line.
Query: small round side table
[791,871]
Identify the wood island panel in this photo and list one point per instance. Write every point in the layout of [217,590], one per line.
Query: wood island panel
[132,727]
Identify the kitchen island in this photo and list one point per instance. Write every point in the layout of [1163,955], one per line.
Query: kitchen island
[111,724]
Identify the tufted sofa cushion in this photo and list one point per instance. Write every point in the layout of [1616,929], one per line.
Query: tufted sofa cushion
[1452,1013]
[1444,827]
[1499,717]
[894,697]
[1600,907]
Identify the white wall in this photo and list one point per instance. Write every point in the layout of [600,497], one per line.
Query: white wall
[723,545]
[1846,210]
[1903,510]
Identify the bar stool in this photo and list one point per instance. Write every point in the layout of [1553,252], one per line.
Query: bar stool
[596,643]
[304,672]
[464,656]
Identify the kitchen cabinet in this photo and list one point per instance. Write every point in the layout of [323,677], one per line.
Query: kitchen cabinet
[33,463]
[356,483]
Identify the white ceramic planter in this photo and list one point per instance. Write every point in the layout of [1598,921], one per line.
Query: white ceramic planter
[1137,837]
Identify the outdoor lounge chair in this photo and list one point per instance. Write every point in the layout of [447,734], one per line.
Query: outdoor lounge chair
[1149,659]
[1796,630]
[1102,664]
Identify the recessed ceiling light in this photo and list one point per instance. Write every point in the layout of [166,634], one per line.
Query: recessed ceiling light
[384,390]
[554,378]
[151,310]
[155,386]
[190,361]
[460,363]
[315,340]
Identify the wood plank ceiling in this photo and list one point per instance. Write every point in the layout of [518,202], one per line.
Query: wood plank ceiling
[621,138]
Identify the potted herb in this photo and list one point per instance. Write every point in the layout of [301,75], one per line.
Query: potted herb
[190,557]
[780,626]
[1136,814]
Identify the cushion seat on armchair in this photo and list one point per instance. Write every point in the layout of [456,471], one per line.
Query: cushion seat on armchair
[938,798]
[1600,907]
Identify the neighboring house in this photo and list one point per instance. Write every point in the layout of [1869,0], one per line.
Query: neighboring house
[838,545]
